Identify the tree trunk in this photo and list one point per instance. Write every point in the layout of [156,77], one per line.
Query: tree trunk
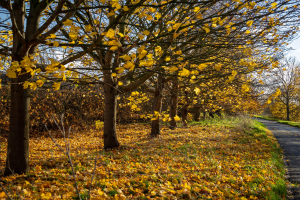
[287,110]
[110,115]
[157,105]
[184,115]
[197,114]
[174,104]
[17,160]
[185,109]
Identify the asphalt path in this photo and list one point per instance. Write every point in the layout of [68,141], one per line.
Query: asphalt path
[288,138]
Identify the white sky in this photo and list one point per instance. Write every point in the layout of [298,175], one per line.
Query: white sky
[296,49]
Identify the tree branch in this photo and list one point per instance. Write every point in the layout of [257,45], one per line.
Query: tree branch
[60,24]
[4,4]
[50,19]
[14,23]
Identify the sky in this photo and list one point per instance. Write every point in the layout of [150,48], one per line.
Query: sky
[296,49]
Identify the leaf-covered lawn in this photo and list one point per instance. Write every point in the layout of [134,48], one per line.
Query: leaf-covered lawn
[198,162]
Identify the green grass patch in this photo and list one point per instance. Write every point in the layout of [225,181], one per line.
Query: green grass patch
[291,123]
[279,189]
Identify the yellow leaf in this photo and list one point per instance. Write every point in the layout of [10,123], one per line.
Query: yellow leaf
[93,33]
[56,86]
[175,35]
[158,15]
[110,34]
[52,36]
[274,5]
[120,34]
[184,72]
[167,58]
[245,88]
[113,48]
[149,17]
[178,52]
[177,118]
[126,8]
[141,36]
[196,9]
[38,168]
[146,32]
[157,49]
[2,194]
[129,65]
[73,35]
[202,66]
[234,73]
[249,23]
[68,22]
[218,67]
[88,28]
[26,84]
[247,31]
[46,196]
[56,44]
[133,107]
[111,13]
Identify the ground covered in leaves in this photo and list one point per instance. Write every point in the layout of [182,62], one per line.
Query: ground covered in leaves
[208,160]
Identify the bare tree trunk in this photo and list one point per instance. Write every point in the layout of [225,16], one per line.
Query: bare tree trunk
[185,109]
[197,114]
[174,104]
[110,114]
[287,109]
[157,105]
[17,160]
[184,115]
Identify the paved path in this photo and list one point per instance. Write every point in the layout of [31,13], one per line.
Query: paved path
[289,139]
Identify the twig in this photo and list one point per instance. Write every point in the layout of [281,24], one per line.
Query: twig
[67,149]
[95,164]
[5,190]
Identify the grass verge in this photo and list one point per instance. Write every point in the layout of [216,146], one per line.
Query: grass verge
[291,123]
[225,160]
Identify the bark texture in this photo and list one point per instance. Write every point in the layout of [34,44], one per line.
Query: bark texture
[17,160]
[110,109]
[197,114]
[185,109]
[157,105]
[174,104]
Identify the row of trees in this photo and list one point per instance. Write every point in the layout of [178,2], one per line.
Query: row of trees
[286,78]
[126,45]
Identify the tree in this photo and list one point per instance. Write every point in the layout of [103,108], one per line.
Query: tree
[219,46]
[24,32]
[285,77]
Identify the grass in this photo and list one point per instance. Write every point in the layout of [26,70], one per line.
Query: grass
[221,158]
[291,123]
